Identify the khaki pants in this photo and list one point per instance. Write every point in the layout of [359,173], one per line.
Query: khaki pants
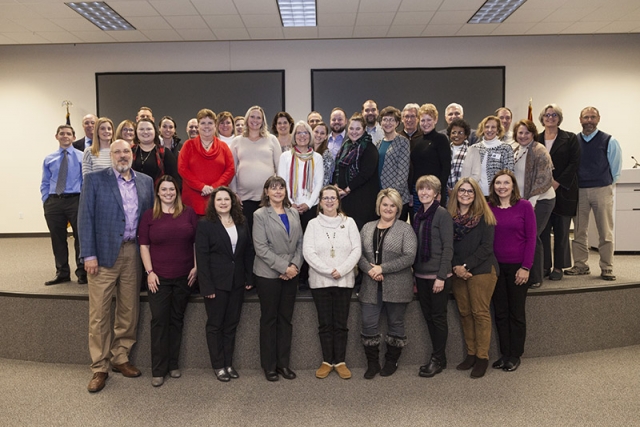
[473,297]
[600,200]
[109,343]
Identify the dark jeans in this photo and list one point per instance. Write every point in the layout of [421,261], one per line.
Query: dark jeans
[58,211]
[543,212]
[509,308]
[167,307]
[332,305]
[223,316]
[277,298]
[561,251]
[395,317]
[434,310]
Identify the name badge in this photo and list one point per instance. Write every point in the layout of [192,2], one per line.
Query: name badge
[496,156]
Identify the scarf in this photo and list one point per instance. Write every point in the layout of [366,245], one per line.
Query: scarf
[463,224]
[349,155]
[295,170]
[425,217]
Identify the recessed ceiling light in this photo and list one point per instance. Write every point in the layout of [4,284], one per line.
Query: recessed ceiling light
[297,13]
[101,15]
[495,11]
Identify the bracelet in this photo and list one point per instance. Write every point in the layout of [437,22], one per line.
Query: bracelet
[149,272]
[525,269]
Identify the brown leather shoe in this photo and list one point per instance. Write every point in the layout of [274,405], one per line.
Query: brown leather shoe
[127,369]
[97,382]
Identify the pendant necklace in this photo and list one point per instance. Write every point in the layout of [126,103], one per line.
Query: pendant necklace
[331,240]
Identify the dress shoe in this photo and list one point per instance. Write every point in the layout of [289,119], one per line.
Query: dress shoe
[286,373]
[467,363]
[97,382]
[82,280]
[343,371]
[175,373]
[512,364]
[324,370]
[58,279]
[556,275]
[271,375]
[480,368]
[499,364]
[157,381]
[221,375]
[431,369]
[232,372]
[127,370]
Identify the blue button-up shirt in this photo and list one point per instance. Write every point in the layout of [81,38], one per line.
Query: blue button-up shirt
[50,168]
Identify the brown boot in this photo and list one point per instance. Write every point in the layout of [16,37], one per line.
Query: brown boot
[479,368]
[467,363]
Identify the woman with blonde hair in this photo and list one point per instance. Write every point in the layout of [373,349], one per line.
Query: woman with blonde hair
[98,156]
[475,270]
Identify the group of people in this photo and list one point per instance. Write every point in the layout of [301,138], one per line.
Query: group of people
[325,206]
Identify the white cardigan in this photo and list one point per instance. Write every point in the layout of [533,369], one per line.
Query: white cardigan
[309,198]
[316,248]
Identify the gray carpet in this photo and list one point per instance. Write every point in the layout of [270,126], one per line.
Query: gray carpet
[588,389]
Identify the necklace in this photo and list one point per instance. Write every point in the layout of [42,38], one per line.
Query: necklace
[144,159]
[206,146]
[331,240]
[381,234]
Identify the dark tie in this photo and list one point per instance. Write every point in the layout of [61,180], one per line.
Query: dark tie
[62,173]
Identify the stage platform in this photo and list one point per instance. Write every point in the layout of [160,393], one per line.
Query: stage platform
[49,323]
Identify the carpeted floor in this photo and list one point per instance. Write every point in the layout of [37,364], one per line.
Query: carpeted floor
[588,389]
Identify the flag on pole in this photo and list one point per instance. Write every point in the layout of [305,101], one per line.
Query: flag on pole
[67,104]
[530,110]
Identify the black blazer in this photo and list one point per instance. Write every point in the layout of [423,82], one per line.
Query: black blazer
[218,266]
[79,144]
[565,154]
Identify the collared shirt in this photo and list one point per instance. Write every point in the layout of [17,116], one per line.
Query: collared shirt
[614,154]
[50,168]
[334,144]
[376,133]
[87,142]
[129,203]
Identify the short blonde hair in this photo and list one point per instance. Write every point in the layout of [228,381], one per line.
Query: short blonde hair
[428,109]
[480,130]
[430,182]
[393,195]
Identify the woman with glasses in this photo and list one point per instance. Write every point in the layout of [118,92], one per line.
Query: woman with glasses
[277,240]
[126,130]
[475,270]
[458,132]
[332,249]
[564,149]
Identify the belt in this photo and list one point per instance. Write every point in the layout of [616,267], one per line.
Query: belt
[64,196]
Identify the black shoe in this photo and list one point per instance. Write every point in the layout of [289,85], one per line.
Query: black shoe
[499,364]
[222,375]
[556,275]
[467,363]
[271,375]
[512,364]
[232,372]
[58,279]
[431,369]
[82,280]
[286,373]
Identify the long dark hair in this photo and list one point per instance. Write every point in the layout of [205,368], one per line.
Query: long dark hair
[178,207]
[236,211]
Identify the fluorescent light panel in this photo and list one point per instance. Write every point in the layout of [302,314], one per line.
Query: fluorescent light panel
[101,15]
[495,11]
[297,13]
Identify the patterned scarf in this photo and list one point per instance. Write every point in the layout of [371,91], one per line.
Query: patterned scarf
[307,171]
[425,217]
[349,155]
[457,159]
[463,224]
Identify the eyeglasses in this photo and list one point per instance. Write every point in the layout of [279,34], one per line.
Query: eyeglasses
[466,191]
[551,115]
[304,133]
[329,199]
[127,130]
[388,120]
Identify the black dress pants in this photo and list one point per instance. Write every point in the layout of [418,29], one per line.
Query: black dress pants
[332,305]
[509,308]
[58,211]
[223,317]
[434,310]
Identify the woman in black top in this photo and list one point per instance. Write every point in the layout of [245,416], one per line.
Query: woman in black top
[149,156]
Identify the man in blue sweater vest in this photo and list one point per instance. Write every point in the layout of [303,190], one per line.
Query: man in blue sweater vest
[600,164]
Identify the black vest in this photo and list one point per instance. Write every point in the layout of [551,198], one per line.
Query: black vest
[594,168]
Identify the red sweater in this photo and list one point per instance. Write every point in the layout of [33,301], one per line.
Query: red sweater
[198,168]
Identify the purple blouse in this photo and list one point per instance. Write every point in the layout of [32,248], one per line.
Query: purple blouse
[515,235]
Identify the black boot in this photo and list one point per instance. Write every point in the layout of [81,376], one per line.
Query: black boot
[372,351]
[394,349]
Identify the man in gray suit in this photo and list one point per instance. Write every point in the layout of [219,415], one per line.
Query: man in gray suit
[111,203]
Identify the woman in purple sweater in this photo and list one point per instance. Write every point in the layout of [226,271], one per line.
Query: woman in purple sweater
[514,247]
[167,234]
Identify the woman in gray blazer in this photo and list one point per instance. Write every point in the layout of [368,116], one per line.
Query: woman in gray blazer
[388,251]
[277,240]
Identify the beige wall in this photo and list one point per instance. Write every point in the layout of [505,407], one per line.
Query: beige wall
[572,71]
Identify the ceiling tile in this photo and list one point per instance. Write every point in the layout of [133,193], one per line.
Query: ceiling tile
[174,7]
[37,24]
[534,15]
[6,40]
[405,30]
[379,6]
[451,17]
[548,28]
[149,23]
[133,8]
[371,32]
[412,18]
[336,19]
[335,32]
[262,21]
[419,5]
[231,33]
[266,33]
[15,11]
[477,29]
[584,27]
[506,29]
[586,3]
[93,36]
[215,7]
[632,16]
[7,26]
[608,14]
[374,19]
[26,37]
[568,15]
[186,22]
[542,4]
[128,36]
[59,36]
[338,6]
[53,10]
[618,27]
[438,30]
[461,5]
[197,34]
[300,32]
[223,21]
[75,24]
[161,35]
[258,7]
